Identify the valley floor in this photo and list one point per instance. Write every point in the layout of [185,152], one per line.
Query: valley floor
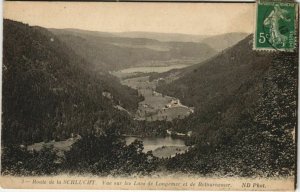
[156,106]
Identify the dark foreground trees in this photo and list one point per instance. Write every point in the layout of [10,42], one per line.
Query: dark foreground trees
[97,154]
[17,160]
[108,154]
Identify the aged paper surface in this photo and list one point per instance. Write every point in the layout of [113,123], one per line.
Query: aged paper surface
[169,96]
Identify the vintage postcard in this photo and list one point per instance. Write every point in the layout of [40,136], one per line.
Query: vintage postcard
[168,96]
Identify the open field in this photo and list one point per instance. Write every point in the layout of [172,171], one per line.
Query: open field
[156,106]
[60,146]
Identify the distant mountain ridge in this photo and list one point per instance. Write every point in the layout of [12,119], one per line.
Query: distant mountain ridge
[163,37]
[114,53]
[227,38]
[221,42]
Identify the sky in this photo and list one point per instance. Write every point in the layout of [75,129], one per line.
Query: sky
[186,18]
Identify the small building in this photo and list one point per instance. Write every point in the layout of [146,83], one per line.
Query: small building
[169,132]
[173,103]
[107,94]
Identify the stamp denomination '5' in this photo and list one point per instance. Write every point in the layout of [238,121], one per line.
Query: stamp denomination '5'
[275,26]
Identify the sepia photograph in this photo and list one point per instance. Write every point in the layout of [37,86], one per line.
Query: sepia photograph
[132,95]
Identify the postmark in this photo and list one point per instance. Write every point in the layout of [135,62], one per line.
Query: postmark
[276,26]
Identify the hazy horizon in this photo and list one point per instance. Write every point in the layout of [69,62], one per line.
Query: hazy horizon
[152,32]
[167,18]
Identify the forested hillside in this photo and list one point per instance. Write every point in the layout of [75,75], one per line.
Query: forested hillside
[49,92]
[245,103]
[209,83]
[113,52]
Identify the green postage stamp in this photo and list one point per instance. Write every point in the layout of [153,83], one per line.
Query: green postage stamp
[276,25]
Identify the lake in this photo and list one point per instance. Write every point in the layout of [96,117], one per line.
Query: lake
[161,146]
[152,69]
[156,106]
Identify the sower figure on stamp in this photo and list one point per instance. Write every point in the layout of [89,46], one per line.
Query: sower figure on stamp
[273,21]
